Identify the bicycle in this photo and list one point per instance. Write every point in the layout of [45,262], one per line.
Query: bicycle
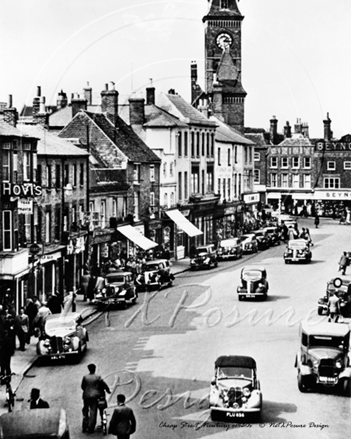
[10,395]
[102,405]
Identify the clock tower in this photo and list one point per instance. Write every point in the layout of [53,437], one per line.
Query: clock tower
[223,62]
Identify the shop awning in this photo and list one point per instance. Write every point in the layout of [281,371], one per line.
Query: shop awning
[183,223]
[134,235]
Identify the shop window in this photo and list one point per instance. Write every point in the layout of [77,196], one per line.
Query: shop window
[331,182]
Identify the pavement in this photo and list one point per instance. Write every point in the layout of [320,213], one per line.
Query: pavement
[22,361]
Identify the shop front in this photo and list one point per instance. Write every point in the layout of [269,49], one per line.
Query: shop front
[134,240]
[333,203]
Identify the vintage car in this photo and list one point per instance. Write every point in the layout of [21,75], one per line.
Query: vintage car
[249,243]
[157,273]
[35,423]
[323,356]
[230,248]
[64,335]
[205,257]
[254,283]
[235,390]
[297,251]
[342,287]
[119,290]
[273,235]
[262,239]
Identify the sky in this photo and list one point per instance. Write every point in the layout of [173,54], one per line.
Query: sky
[295,53]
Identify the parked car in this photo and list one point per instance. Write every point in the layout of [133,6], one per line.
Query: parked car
[262,239]
[35,423]
[253,283]
[235,390]
[230,248]
[157,273]
[119,290]
[273,235]
[205,257]
[323,356]
[298,251]
[249,243]
[64,335]
[342,287]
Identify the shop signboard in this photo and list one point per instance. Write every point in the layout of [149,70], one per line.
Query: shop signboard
[25,206]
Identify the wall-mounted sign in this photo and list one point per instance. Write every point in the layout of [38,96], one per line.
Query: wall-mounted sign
[251,198]
[21,190]
[332,195]
[25,206]
[332,146]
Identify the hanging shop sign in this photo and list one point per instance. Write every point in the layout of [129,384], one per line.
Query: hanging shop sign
[25,206]
[251,198]
[21,190]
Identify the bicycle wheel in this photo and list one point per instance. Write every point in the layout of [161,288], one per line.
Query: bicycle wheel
[104,423]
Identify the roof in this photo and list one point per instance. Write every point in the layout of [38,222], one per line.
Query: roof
[325,329]
[27,110]
[9,130]
[217,12]
[225,133]
[177,106]
[257,138]
[50,144]
[235,361]
[61,117]
[297,140]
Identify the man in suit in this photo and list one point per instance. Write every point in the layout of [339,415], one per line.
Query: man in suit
[123,422]
[36,401]
[91,393]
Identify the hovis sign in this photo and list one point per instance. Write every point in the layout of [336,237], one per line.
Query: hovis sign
[29,189]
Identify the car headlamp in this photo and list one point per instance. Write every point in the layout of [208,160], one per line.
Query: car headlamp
[67,340]
[246,392]
[338,364]
[207,260]
[315,362]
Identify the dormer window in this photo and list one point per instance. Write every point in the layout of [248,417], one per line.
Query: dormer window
[224,4]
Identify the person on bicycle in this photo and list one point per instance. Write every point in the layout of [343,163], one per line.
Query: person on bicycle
[91,393]
[102,402]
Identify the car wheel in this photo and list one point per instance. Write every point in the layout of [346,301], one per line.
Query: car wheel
[301,382]
[346,387]
[214,416]
[241,297]
[320,311]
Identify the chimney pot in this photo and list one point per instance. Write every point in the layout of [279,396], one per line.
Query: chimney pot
[38,91]
[10,101]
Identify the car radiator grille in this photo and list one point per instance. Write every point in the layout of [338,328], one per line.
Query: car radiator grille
[56,344]
[327,368]
[235,397]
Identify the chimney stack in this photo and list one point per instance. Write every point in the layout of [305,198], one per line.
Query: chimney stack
[150,95]
[62,100]
[78,104]
[109,103]
[41,118]
[36,103]
[88,94]
[10,113]
[328,134]
[305,130]
[273,129]
[136,111]
[298,126]
[287,130]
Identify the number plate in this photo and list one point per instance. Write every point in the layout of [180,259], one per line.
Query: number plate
[235,414]
[58,356]
[250,295]
[325,379]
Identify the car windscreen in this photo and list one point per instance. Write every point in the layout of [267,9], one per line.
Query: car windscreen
[297,244]
[234,372]
[252,274]
[150,267]
[244,238]
[327,341]
[202,250]
[60,323]
[116,279]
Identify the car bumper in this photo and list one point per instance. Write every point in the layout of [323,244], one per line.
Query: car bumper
[236,413]
[228,256]
[296,259]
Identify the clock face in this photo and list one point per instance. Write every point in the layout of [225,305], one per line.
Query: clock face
[224,40]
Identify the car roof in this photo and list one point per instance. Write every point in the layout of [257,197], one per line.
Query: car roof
[160,260]
[260,231]
[235,361]
[258,267]
[33,423]
[298,240]
[66,315]
[248,235]
[113,274]
[326,328]
[228,241]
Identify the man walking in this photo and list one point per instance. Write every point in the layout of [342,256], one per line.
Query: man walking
[343,263]
[91,393]
[123,422]
[333,307]
[36,401]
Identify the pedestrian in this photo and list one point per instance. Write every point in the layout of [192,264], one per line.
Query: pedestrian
[333,307]
[54,304]
[22,328]
[36,401]
[303,234]
[31,311]
[10,327]
[91,287]
[91,392]
[343,263]
[84,285]
[40,319]
[123,422]
[308,237]
[6,352]
[316,220]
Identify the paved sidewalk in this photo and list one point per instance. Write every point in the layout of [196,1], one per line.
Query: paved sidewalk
[22,361]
